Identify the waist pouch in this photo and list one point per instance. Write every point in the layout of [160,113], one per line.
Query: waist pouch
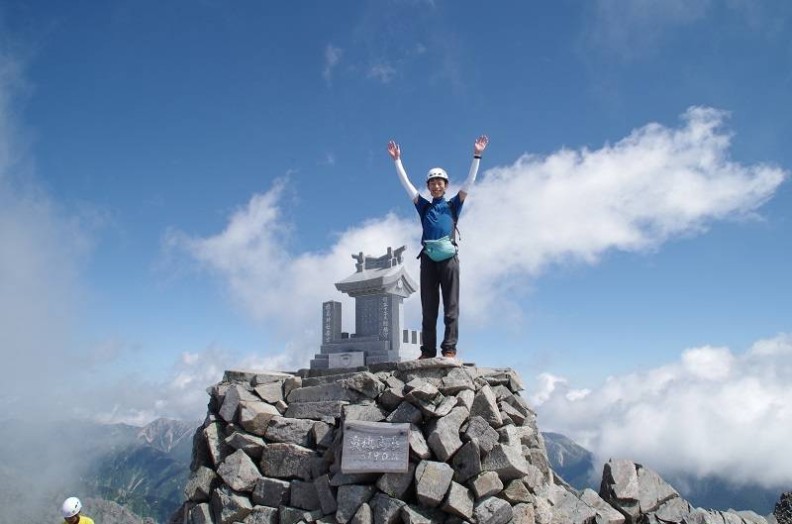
[440,249]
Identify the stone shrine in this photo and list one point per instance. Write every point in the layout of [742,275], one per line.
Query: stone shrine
[379,286]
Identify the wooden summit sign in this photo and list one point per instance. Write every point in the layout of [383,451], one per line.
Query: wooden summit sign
[375,447]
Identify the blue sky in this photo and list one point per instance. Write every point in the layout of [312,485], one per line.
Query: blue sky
[182,183]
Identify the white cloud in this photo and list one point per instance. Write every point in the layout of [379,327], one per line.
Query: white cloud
[636,29]
[708,363]
[382,72]
[712,413]
[332,56]
[548,384]
[629,29]
[182,395]
[42,248]
[574,206]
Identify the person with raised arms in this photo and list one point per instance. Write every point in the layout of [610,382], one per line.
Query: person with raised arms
[439,261]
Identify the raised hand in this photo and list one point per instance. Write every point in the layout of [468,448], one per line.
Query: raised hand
[480,145]
[393,150]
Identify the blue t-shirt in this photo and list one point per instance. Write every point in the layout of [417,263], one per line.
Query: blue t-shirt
[436,217]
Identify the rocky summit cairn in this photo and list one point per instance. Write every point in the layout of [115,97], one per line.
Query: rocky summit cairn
[270,451]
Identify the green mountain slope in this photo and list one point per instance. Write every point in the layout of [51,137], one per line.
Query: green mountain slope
[143,479]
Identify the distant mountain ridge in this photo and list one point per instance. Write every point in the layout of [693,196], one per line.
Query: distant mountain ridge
[148,475]
[166,434]
[132,475]
[574,463]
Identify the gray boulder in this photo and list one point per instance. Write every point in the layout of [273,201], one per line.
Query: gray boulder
[321,410]
[349,499]
[290,430]
[254,416]
[507,461]
[432,480]
[199,486]
[635,490]
[262,515]
[250,444]
[486,407]
[466,462]
[443,433]
[459,501]
[271,492]
[418,445]
[234,395]
[287,461]
[606,514]
[271,392]
[365,383]
[397,484]
[363,515]
[326,495]
[385,509]
[199,514]
[493,510]
[228,506]
[304,495]
[479,431]
[486,484]
[239,472]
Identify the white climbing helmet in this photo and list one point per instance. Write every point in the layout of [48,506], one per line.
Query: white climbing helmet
[437,172]
[71,506]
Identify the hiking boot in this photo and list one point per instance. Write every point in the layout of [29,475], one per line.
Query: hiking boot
[449,356]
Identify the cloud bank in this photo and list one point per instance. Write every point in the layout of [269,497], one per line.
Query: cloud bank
[574,206]
[41,252]
[713,412]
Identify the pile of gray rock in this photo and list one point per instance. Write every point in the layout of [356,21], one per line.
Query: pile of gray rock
[783,509]
[270,451]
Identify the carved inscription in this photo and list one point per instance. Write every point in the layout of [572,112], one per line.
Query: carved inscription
[375,447]
[327,322]
[367,316]
[384,333]
[351,359]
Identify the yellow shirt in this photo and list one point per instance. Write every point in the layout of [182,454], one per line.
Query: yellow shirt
[83,520]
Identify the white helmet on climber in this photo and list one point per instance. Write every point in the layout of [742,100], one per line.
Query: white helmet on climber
[437,172]
[71,506]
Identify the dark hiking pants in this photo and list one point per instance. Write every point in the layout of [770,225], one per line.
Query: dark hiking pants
[436,278]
